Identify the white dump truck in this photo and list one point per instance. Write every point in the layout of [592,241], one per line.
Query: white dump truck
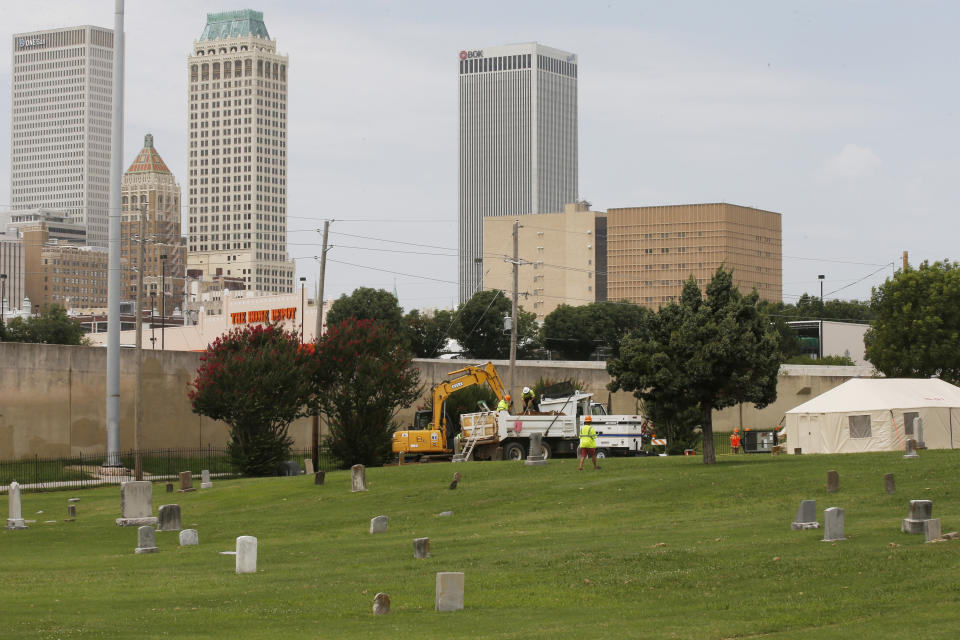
[559,419]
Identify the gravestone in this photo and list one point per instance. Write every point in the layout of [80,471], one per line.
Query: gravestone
[169,487]
[168,517]
[358,478]
[136,504]
[889,484]
[443,514]
[449,591]
[205,479]
[71,513]
[931,529]
[806,517]
[833,481]
[288,468]
[308,463]
[146,542]
[246,554]
[15,508]
[535,455]
[378,524]
[381,604]
[189,538]
[319,477]
[456,481]
[918,430]
[186,481]
[833,524]
[920,512]
[421,548]
[911,449]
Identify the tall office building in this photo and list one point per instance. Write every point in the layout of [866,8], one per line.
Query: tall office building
[518,141]
[60,125]
[237,201]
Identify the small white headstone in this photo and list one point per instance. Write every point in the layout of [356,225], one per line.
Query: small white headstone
[146,541]
[421,548]
[246,554]
[358,478]
[449,591]
[15,508]
[931,529]
[189,537]
[308,463]
[205,479]
[378,524]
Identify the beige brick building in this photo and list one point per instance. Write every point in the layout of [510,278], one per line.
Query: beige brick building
[562,257]
[149,185]
[74,277]
[652,251]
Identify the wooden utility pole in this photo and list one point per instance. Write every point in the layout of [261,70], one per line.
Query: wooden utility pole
[513,310]
[315,431]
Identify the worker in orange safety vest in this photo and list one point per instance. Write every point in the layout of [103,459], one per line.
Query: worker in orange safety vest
[735,441]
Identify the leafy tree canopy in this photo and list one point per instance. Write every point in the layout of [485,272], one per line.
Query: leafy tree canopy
[700,354]
[427,334]
[916,331]
[576,333]
[363,375]
[54,326]
[257,379]
[364,302]
[478,327]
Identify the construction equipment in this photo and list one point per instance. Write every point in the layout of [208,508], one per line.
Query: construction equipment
[429,435]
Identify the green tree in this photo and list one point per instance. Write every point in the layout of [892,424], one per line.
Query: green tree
[427,334]
[54,326]
[568,331]
[257,379]
[478,327]
[916,332]
[364,302]
[576,333]
[699,355]
[363,375]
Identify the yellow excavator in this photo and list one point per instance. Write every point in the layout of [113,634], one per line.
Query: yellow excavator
[428,436]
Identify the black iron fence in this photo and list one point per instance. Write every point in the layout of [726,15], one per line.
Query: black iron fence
[87,470]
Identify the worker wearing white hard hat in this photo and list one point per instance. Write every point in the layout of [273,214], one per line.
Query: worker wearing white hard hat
[530,402]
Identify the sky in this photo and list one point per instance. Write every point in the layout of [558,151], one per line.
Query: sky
[839,115]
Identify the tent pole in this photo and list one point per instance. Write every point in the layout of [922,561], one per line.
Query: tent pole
[951,427]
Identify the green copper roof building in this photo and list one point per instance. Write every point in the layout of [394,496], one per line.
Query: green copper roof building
[234,24]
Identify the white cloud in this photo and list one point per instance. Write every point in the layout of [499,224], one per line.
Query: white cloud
[853,162]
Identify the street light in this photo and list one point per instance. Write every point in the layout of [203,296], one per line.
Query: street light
[820,332]
[163,299]
[821,277]
[303,288]
[3,296]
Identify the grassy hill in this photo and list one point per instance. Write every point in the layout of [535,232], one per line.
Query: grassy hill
[652,548]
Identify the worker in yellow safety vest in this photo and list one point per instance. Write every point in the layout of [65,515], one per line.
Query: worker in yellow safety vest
[588,442]
[504,404]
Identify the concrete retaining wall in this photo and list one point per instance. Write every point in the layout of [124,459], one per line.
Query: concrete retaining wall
[53,398]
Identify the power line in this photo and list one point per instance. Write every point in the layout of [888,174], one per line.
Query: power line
[396,273]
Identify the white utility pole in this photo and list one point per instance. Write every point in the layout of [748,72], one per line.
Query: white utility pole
[115,268]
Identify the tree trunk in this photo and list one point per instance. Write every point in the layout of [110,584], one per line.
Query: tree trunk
[706,428]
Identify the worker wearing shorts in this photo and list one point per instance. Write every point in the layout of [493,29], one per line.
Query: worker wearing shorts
[588,442]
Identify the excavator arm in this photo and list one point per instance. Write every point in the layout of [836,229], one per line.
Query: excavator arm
[467,377]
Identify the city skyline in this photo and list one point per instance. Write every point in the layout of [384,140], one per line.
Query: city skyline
[808,111]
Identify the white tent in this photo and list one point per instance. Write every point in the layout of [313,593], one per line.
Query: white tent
[876,414]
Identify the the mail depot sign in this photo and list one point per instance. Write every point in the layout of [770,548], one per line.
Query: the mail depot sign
[265,315]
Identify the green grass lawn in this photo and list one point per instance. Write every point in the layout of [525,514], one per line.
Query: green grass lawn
[651,548]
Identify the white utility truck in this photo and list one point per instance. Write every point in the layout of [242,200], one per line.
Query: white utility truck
[558,420]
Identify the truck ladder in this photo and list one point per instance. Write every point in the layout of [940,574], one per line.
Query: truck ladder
[468,446]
